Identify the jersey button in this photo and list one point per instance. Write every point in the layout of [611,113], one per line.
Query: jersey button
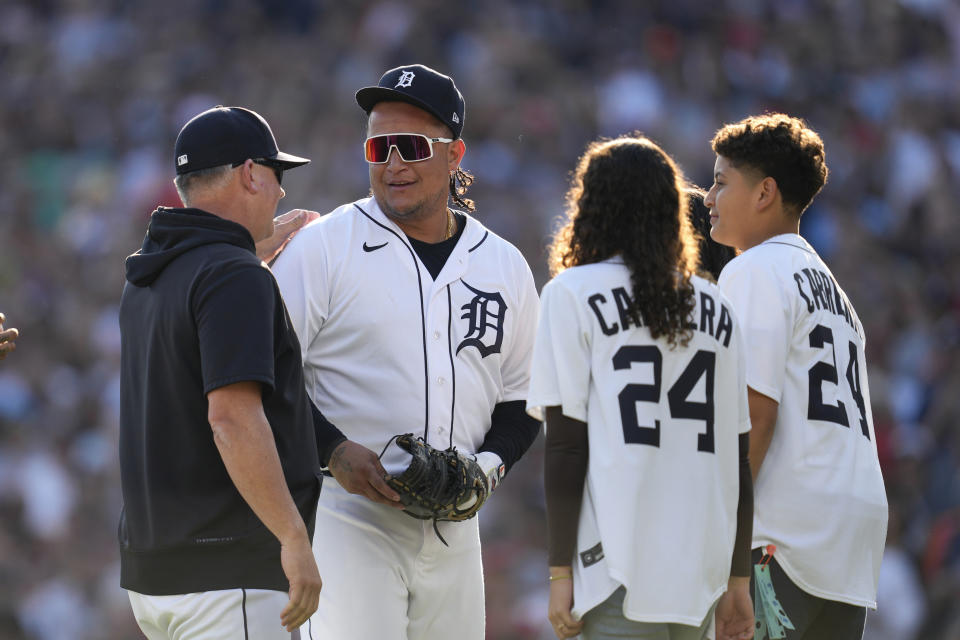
[436,335]
[440,381]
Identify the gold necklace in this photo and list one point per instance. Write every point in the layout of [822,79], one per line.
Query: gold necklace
[451,225]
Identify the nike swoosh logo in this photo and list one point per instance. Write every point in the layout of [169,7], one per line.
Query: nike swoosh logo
[368,248]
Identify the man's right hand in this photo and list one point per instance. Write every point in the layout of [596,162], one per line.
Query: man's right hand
[358,470]
[300,567]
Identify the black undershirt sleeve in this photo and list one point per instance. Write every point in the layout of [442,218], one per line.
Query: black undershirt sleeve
[511,432]
[564,474]
[328,436]
[741,548]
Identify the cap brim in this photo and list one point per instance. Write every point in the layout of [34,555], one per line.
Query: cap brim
[368,97]
[290,161]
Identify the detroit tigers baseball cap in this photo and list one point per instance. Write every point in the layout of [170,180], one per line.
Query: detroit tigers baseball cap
[422,87]
[224,135]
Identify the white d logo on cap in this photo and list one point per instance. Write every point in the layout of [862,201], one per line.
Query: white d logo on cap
[406,79]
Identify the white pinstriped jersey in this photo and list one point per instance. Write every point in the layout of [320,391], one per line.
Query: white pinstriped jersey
[819,495]
[659,506]
[388,350]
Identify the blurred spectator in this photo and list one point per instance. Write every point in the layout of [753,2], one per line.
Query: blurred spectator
[92,97]
[901,604]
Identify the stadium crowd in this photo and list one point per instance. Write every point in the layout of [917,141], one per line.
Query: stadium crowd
[94,92]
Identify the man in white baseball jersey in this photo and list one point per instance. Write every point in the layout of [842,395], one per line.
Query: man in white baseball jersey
[638,362]
[412,318]
[820,495]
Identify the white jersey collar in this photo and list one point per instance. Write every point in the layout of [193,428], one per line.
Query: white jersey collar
[792,239]
[473,232]
[474,235]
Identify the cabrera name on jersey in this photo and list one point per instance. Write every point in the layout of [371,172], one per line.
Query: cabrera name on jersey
[663,426]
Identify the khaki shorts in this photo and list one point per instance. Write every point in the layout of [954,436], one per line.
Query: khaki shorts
[607,622]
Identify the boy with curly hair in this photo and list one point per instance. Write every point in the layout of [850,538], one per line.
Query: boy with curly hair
[819,494]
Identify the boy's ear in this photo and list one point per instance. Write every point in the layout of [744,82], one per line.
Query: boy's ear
[768,192]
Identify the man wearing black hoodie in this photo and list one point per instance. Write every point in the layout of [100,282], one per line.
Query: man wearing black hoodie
[220,447]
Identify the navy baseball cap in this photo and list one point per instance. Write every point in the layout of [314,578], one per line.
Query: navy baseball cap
[422,87]
[225,135]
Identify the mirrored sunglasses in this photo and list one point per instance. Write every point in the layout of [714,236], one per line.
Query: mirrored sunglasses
[412,147]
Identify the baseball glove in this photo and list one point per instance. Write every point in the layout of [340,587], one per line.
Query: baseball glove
[438,485]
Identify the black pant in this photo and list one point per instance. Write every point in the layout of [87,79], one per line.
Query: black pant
[813,617]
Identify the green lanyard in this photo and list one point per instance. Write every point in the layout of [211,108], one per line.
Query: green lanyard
[771,619]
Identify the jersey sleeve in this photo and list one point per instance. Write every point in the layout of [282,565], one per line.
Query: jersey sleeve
[234,311]
[515,368]
[560,373]
[302,273]
[764,313]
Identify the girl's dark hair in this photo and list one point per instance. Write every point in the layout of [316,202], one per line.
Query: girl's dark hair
[713,255]
[628,198]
